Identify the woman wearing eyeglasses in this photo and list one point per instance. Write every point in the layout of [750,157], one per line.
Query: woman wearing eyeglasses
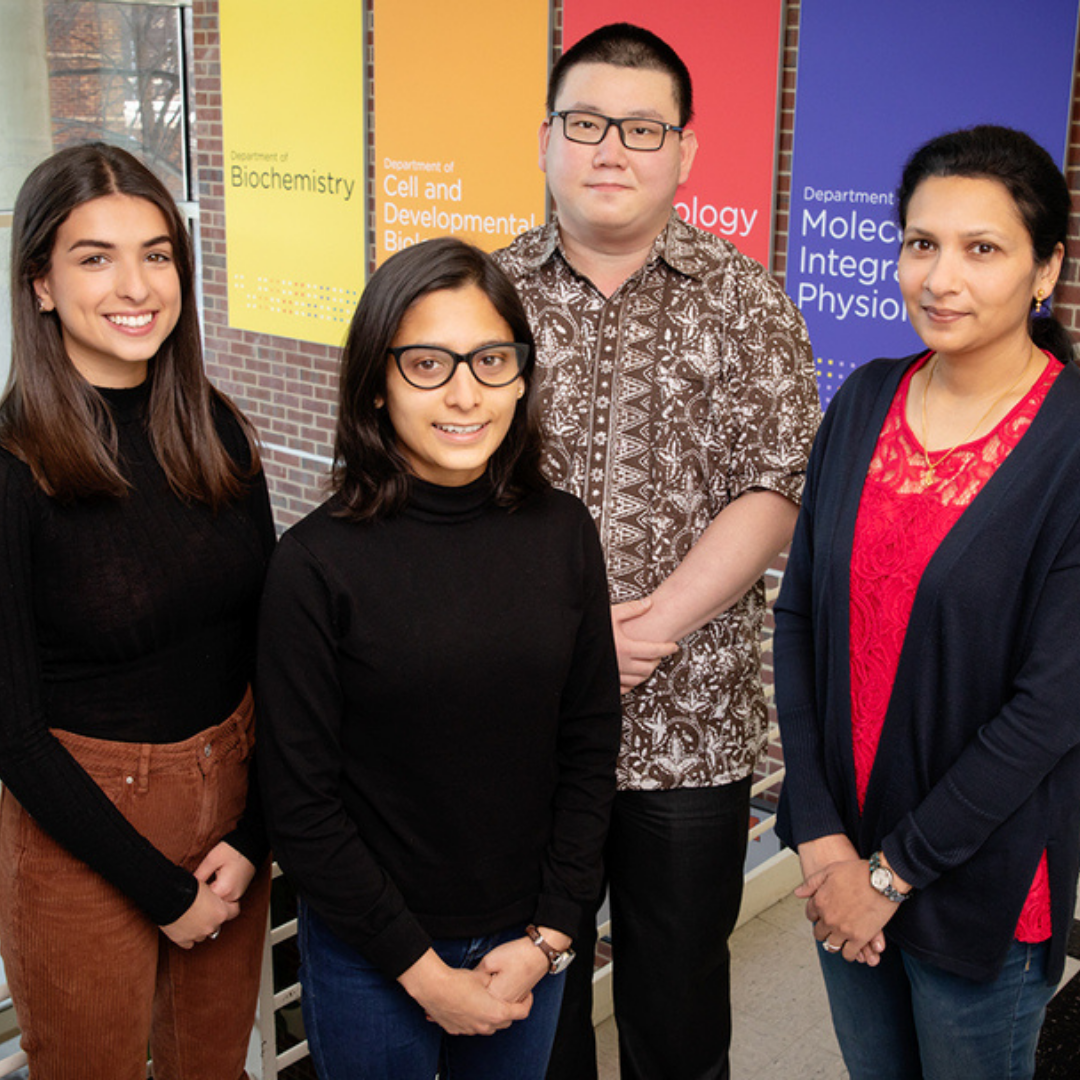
[441,694]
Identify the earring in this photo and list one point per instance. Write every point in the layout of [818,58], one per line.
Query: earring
[1042,307]
[521,392]
[41,306]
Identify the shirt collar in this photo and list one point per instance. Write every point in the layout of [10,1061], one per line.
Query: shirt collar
[677,245]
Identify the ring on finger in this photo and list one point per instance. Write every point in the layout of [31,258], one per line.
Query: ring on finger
[828,946]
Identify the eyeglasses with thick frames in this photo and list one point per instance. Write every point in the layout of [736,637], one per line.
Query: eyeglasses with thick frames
[636,132]
[427,367]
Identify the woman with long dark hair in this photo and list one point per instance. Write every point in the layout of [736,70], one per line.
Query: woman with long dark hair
[926,681]
[439,693]
[135,530]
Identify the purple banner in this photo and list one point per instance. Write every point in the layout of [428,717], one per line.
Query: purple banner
[876,80]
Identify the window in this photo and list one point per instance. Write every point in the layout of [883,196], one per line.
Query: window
[109,70]
[117,72]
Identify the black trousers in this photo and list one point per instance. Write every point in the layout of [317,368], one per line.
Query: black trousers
[674,862]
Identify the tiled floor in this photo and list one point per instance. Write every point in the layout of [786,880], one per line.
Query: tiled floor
[781,1024]
[781,1017]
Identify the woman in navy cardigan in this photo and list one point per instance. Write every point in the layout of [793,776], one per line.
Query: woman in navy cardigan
[927,688]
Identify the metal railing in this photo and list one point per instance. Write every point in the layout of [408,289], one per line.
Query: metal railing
[17,1060]
[765,884]
[273,1061]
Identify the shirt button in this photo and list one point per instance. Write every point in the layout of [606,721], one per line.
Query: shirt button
[129,779]
[207,750]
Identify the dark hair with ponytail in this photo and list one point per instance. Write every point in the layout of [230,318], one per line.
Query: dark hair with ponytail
[1030,176]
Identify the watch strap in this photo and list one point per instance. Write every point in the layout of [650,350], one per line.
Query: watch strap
[881,879]
[557,961]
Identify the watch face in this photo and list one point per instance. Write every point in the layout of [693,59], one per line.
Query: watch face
[881,879]
[563,962]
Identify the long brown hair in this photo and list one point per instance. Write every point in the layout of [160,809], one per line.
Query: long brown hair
[51,417]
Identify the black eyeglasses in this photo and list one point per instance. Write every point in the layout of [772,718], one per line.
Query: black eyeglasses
[636,132]
[427,367]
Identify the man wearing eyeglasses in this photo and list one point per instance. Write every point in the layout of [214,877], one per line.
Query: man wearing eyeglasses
[680,404]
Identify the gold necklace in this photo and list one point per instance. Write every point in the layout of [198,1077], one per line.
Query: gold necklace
[928,476]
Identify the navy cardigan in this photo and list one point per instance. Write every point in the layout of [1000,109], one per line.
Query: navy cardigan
[978,767]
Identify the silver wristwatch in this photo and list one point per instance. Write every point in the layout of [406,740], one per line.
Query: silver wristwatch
[557,961]
[881,878]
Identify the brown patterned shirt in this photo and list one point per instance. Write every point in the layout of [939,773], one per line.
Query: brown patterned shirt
[690,385]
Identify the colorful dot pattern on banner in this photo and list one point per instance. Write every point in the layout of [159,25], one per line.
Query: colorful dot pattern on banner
[298,299]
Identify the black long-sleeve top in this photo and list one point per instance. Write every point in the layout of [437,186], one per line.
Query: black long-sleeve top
[978,768]
[129,619]
[439,708]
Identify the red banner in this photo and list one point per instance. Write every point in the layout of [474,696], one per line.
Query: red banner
[732,50]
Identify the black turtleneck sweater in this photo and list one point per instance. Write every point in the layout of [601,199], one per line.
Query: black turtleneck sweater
[128,619]
[439,707]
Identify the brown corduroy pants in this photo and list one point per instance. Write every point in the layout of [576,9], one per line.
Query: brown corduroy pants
[94,981]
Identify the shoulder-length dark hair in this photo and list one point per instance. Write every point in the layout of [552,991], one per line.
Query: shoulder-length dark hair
[371,476]
[50,416]
[1037,187]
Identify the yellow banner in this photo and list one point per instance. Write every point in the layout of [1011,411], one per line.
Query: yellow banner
[458,100]
[292,81]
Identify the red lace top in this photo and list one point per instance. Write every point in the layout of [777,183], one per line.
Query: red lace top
[900,524]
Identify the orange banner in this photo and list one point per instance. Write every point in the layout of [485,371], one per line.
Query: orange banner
[458,99]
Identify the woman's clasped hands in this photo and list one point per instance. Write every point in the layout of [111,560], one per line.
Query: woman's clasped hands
[847,912]
[465,1001]
[484,999]
[223,877]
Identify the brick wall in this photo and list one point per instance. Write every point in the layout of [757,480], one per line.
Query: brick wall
[288,387]
[774,757]
[1067,304]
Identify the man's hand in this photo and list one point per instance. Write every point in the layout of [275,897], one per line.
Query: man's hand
[638,657]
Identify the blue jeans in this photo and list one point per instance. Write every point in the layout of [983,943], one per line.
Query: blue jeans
[909,1020]
[362,1025]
